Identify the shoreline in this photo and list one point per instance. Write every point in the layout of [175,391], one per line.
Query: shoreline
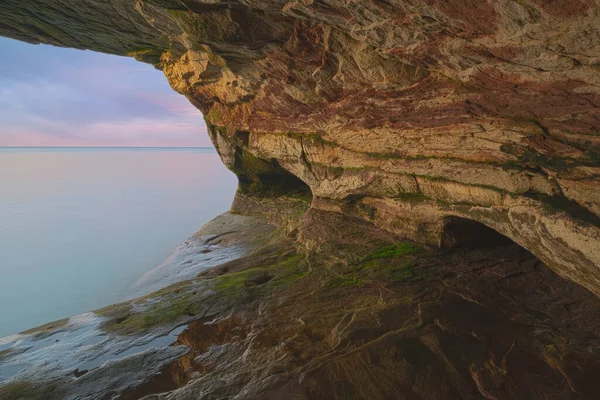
[312,315]
[87,342]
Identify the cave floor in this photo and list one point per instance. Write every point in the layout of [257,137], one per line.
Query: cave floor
[355,319]
[358,314]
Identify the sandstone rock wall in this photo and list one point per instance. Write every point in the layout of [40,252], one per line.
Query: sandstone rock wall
[402,112]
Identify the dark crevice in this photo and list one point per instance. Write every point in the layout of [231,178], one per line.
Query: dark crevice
[267,178]
[466,233]
[243,137]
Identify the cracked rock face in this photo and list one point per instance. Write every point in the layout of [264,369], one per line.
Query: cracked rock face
[405,113]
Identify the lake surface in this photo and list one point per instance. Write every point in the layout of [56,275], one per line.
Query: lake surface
[78,227]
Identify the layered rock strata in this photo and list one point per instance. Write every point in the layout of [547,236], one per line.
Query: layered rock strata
[414,115]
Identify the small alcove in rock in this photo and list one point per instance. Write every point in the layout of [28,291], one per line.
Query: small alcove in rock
[465,233]
[267,178]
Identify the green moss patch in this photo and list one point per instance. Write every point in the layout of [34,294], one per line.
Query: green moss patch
[236,283]
[29,391]
[343,281]
[162,313]
[160,308]
[394,250]
[388,264]
[279,274]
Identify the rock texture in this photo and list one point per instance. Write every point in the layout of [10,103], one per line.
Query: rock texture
[405,113]
[357,314]
[358,319]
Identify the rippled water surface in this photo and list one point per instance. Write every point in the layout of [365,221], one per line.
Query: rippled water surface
[78,227]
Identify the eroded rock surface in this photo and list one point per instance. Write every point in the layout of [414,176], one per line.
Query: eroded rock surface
[349,312]
[353,126]
[402,112]
[395,321]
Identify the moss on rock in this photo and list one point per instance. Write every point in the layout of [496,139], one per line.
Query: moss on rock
[29,391]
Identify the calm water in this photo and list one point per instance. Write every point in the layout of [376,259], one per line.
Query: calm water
[78,227]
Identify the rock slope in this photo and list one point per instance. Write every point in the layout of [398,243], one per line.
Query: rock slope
[358,314]
[415,115]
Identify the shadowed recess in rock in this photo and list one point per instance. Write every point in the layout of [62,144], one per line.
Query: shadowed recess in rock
[465,233]
[264,178]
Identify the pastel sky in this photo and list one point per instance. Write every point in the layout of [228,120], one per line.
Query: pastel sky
[51,96]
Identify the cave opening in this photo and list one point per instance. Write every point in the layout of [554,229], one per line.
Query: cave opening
[267,178]
[466,233]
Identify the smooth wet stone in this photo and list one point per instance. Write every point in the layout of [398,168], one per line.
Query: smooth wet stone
[79,346]
[117,376]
